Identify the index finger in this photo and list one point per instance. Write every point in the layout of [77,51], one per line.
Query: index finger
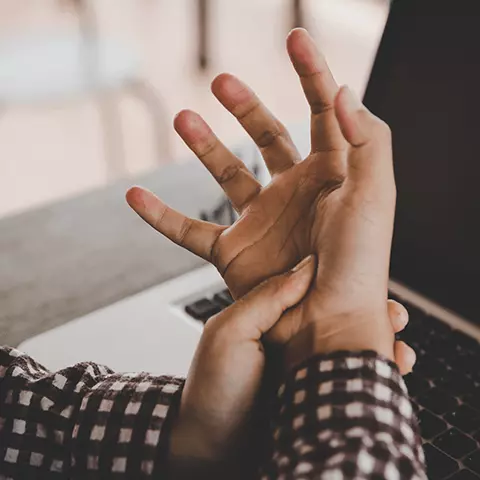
[197,236]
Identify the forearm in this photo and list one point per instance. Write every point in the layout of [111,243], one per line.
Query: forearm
[84,420]
[345,415]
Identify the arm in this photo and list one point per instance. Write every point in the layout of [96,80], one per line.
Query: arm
[87,421]
[345,415]
[83,419]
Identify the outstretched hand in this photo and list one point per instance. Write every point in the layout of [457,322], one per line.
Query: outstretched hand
[338,203]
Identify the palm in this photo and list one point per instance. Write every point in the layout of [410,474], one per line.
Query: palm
[305,209]
[280,226]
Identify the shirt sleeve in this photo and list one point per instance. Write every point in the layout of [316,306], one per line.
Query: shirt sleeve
[345,416]
[82,422]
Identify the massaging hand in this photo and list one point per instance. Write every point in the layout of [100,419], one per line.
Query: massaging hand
[337,203]
[225,377]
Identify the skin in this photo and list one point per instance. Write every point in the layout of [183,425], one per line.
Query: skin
[221,390]
[338,203]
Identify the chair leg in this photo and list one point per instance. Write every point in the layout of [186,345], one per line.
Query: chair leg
[108,106]
[154,104]
[114,148]
[203,11]
[3,110]
[298,14]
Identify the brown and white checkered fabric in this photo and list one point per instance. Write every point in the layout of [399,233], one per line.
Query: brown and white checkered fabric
[82,422]
[345,416]
[342,416]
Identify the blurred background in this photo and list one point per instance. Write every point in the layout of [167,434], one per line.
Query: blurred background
[88,89]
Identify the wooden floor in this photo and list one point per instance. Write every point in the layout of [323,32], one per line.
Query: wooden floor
[56,151]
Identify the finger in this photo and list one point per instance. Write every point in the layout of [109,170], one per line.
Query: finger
[405,357]
[196,236]
[259,310]
[370,138]
[320,89]
[231,173]
[266,131]
[398,315]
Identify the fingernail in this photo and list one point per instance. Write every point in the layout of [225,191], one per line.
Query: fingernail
[352,102]
[410,359]
[412,356]
[398,313]
[302,264]
[403,316]
[299,29]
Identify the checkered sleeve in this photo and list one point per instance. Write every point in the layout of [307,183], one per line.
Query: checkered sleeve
[345,416]
[82,422]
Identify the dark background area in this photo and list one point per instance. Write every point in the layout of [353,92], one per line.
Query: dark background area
[426,86]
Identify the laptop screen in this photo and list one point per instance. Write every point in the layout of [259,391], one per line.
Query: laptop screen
[426,85]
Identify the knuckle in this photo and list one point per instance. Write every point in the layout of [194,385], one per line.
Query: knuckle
[216,331]
[157,223]
[220,324]
[228,173]
[207,148]
[213,323]
[386,130]
[241,112]
[379,130]
[383,129]
[185,229]
[318,107]
[268,137]
[216,254]
[227,325]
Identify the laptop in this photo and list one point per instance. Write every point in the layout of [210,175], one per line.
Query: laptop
[425,83]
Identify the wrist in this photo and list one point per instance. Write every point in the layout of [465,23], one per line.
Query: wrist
[351,332]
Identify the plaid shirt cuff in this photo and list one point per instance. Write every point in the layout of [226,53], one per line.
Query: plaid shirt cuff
[82,422]
[344,416]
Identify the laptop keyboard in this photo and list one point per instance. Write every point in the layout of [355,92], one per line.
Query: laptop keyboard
[444,388]
[206,307]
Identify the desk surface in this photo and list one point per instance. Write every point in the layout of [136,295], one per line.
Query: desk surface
[67,259]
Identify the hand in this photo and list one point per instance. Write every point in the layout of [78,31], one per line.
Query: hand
[224,380]
[337,203]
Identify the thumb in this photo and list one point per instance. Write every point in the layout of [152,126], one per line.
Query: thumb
[369,138]
[259,310]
